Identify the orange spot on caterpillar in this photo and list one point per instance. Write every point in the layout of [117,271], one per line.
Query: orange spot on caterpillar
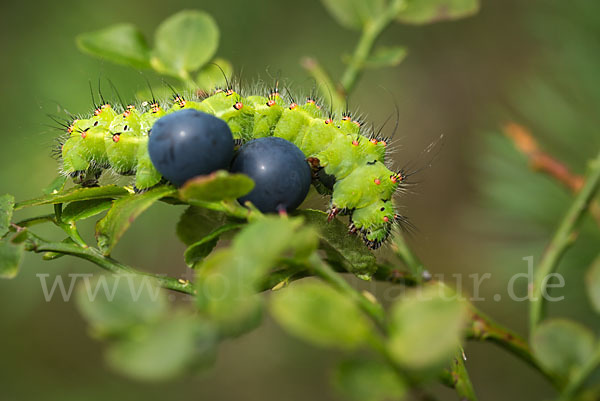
[346,118]
[229,92]
[374,141]
[355,142]
[238,105]
[384,143]
[179,100]
[83,134]
[328,121]
[271,102]
[377,181]
[293,106]
[386,219]
[116,138]
[397,177]
[97,112]
[356,122]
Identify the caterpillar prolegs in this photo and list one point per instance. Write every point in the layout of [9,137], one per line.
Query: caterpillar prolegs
[347,163]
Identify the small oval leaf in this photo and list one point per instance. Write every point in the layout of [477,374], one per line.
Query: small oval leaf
[199,250]
[368,380]
[76,194]
[429,11]
[7,204]
[81,210]
[417,321]
[562,346]
[10,258]
[319,314]
[215,187]
[185,42]
[592,281]
[164,350]
[354,14]
[122,43]
[114,304]
[123,212]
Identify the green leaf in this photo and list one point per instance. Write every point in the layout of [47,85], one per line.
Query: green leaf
[75,194]
[123,212]
[185,42]
[56,185]
[428,11]
[213,76]
[121,43]
[10,258]
[319,314]
[353,14]
[417,323]
[115,304]
[196,223]
[561,346]
[592,281]
[368,380]
[386,56]
[80,210]
[199,250]
[164,350]
[7,204]
[347,250]
[217,186]
[228,279]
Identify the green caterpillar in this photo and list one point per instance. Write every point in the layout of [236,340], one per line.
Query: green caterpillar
[362,187]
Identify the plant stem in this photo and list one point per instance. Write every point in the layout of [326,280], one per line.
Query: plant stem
[483,328]
[459,378]
[93,255]
[371,31]
[562,239]
[412,262]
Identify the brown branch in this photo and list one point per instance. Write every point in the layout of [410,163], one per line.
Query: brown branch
[545,163]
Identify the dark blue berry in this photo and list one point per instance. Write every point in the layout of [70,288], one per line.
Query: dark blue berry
[188,143]
[279,170]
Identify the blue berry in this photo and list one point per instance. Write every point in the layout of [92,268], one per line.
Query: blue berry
[188,143]
[279,170]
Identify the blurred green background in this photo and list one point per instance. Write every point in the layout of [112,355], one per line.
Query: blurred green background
[478,208]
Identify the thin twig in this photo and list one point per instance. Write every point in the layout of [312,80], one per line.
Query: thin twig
[371,31]
[37,244]
[562,239]
[545,163]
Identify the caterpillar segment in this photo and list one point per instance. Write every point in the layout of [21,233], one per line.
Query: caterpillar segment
[346,164]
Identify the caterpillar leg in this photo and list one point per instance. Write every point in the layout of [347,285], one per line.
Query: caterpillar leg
[87,178]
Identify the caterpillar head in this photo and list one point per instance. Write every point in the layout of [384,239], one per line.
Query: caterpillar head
[374,222]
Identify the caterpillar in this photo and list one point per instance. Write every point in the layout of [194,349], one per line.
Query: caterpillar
[347,159]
